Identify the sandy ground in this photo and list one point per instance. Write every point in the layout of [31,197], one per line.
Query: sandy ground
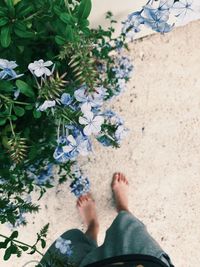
[160,156]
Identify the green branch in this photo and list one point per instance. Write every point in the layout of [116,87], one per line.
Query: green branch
[24,244]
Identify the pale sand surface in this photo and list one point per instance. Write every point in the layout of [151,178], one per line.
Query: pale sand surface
[162,161]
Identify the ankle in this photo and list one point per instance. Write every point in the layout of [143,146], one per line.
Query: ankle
[122,209]
[94,224]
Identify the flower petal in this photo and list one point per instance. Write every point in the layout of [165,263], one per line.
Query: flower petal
[48,63]
[39,72]
[88,129]
[83,120]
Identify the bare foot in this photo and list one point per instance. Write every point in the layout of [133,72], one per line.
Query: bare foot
[120,189]
[87,209]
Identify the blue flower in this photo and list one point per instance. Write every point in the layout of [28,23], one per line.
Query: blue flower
[71,146]
[20,221]
[44,176]
[165,4]
[80,186]
[64,246]
[112,118]
[157,19]
[59,155]
[182,8]
[94,98]
[66,99]
[8,70]
[132,24]
[117,134]
[123,67]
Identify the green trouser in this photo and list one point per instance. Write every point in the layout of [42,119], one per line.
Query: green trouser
[126,235]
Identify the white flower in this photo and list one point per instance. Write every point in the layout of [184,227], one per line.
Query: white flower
[5,64]
[64,246]
[94,99]
[120,132]
[93,123]
[79,145]
[86,107]
[71,146]
[183,9]
[47,104]
[121,83]
[39,68]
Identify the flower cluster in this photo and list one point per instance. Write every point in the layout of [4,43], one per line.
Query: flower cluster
[80,186]
[41,176]
[64,246]
[123,69]
[157,15]
[113,131]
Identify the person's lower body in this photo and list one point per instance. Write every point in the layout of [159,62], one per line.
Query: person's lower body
[126,235]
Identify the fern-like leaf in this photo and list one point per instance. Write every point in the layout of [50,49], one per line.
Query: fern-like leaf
[84,69]
[53,87]
[17,148]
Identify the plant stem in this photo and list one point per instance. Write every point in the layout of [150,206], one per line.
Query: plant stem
[67,6]
[12,101]
[11,125]
[58,129]
[22,243]
[35,14]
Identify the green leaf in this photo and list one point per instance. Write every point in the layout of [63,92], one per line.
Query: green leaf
[84,9]
[24,248]
[8,253]
[13,117]
[36,114]
[69,33]
[65,17]
[5,36]
[33,250]
[2,245]
[19,111]
[10,5]
[2,122]
[84,23]
[20,30]
[60,40]
[57,10]
[3,21]
[43,243]
[14,235]
[6,86]
[29,107]
[25,10]
[23,34]
[25,88]
[14,249]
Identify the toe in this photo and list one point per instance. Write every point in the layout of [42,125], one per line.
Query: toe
[121,177]
[78,203]
[115,179]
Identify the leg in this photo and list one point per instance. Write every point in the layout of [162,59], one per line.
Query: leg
[127,234]
[81,246]
[87,209]
[120,189]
